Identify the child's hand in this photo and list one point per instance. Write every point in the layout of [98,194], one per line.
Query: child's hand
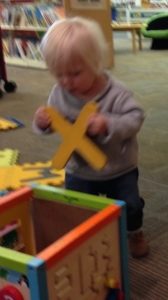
[97,124]
[42,119]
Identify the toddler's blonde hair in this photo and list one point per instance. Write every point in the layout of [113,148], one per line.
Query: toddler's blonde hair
[74,37]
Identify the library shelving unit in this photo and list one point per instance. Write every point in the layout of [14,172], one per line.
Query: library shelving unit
[23,24]
[137,14]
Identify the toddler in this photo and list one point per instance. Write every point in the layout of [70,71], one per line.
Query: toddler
[76,53]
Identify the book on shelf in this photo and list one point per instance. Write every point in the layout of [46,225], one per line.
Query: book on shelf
[25,15]
[12,48]
[5,15]
[49,16]
[5,47]
[18,17]
[34,50]
[29,15]
[39,17]
[22,48]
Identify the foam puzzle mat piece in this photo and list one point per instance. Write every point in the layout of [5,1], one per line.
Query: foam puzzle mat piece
[7,124]
[10,123]
[74,138]
[8,157]
[16,176]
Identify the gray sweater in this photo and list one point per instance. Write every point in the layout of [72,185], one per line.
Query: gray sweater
[124,117]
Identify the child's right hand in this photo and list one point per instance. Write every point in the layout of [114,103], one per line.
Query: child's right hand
[42,119]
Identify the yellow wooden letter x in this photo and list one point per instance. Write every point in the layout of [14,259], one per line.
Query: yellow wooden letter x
[74,138]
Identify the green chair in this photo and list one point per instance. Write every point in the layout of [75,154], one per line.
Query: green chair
[156,28]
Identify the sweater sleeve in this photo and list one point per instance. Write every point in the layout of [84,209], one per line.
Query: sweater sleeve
[125,119]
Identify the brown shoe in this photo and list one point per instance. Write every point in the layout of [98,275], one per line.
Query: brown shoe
[139,246]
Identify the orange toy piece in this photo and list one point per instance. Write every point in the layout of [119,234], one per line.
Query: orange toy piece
[74,139]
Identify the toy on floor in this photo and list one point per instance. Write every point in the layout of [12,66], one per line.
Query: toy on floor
[13,177]
[8,157]
[7,124]
[74,138]
[74,246]
[10,123]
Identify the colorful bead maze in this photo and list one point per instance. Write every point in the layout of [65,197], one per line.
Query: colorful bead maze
[74,246]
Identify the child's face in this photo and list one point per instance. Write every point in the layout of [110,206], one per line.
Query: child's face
[77,78]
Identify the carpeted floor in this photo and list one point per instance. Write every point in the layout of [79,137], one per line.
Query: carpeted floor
[146,73]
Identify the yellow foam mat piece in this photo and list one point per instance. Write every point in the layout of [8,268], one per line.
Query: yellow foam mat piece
[8,157]
[16,176]
[7,124]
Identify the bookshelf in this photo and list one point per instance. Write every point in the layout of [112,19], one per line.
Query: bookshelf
[23,24]
[137,14]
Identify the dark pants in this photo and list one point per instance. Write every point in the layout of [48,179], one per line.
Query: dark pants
[123,188]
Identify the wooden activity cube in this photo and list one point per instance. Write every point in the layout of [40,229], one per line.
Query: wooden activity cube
[70,246]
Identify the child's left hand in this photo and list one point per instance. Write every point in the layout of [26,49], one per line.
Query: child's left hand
[97,124]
